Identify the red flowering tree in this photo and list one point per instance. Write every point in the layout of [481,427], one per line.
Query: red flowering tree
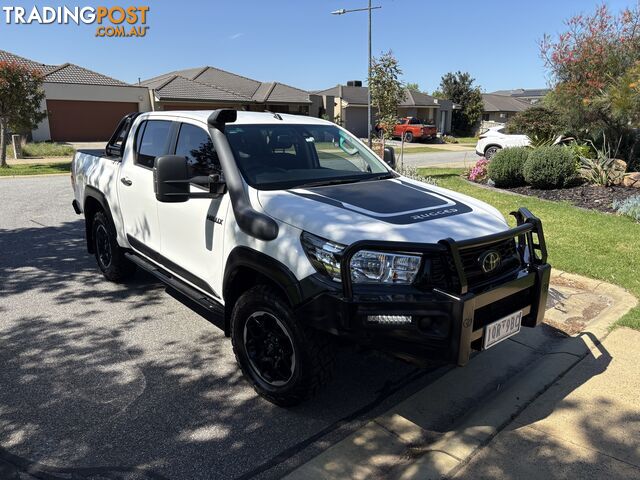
[587,63]
[20,98]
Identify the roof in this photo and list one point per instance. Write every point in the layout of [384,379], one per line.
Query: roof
[359,96]
[70,73]
[523,92]
[66,73]
[242,88]
[180,88]
[413,98]
[503,103]
[244,118]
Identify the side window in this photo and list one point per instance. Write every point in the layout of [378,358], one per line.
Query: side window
[195,144]
[414,121]
[152,140]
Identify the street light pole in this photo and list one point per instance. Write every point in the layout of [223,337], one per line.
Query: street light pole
[369,84]
[342,11]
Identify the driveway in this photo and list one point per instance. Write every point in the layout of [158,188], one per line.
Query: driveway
[125,381]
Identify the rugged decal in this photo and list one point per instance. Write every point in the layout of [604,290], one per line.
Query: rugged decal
[392,201]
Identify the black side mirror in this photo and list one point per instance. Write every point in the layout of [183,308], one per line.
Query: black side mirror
[170,179]
[390,157]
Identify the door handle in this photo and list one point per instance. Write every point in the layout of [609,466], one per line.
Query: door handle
[126,181]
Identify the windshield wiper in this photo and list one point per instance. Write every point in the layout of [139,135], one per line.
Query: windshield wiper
[336,181]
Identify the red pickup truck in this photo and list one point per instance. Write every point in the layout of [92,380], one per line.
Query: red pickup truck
[412,129]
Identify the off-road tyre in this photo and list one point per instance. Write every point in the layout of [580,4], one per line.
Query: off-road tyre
[313,350]
[110,256]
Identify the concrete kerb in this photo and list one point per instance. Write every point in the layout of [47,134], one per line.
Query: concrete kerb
[403,444]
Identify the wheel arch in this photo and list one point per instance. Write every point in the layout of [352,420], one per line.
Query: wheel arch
[94,201]
[246,268]
[492,145]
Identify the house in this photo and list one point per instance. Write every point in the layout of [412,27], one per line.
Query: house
[529,95]
[348,104]
[209,88]
[498,109]
[81,105]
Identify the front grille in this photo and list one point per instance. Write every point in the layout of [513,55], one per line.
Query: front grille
[510,260]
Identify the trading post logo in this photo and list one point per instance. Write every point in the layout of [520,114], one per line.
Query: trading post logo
[130,21]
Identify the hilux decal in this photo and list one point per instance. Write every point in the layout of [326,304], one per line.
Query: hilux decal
[387,201]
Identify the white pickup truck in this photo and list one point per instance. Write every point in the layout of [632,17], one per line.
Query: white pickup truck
[289,231]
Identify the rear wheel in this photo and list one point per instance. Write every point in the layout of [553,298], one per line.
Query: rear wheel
[109,255]
[408,137]
[491,151]
[284,361]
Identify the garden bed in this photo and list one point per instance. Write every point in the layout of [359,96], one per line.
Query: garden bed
[585,196]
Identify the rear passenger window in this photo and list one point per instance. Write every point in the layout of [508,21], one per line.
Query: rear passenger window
[152,140]
[195,144]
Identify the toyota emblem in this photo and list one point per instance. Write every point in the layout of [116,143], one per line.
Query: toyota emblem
[489,261]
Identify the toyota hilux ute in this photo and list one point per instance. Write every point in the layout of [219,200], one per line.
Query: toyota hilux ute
[287,231]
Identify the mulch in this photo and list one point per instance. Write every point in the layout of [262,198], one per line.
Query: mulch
[585,196]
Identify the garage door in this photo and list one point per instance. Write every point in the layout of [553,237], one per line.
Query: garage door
[78,121]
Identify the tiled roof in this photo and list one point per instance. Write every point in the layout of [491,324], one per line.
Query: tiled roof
[414,98]
[181,88]
[523,92]
[70,73]
[358,96]
[10,57]
[67,73]
[503,103]
[228,86]
[275,92]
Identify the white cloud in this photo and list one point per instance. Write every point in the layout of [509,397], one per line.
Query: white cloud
[236,35]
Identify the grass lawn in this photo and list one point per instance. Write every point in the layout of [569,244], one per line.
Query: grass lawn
[594,244]
[35,169]
[467,140]
[43,150]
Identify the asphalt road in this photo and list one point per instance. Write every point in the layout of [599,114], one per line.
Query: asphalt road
[440,159]
[100,380]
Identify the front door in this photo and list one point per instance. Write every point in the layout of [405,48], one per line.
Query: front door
[192,231]
[135,185]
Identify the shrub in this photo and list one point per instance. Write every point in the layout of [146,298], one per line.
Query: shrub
[412,172]
[478,172]
[449,139]
[602,171]
[505,168]
[550,167]
[629,207]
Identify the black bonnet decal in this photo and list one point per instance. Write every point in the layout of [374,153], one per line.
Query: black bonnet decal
[392,201]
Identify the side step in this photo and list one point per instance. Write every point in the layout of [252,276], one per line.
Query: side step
[209,304]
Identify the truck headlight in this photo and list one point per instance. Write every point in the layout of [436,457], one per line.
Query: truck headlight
[382,267]
[366,266]
[323,255]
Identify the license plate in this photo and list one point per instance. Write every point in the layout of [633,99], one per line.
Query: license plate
[502,329]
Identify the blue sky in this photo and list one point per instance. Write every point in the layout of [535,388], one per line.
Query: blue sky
[298,42]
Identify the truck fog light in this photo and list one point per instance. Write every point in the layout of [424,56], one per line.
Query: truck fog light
[390,319]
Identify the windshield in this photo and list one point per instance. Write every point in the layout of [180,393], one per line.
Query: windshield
[289,156]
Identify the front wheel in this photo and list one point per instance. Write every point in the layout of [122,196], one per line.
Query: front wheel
[408,137]
[284,361]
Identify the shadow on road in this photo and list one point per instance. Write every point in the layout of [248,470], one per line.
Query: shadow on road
[121,381]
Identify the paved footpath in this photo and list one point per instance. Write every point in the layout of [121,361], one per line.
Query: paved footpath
[587,425]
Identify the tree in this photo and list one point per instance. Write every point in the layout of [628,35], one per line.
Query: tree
[413,86]
[386,90]
[592,72]
[21,95]
[538,122]
[459,88]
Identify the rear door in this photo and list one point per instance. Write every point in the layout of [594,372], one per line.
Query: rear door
[135,186]
[192,231]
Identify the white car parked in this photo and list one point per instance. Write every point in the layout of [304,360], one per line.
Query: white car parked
[496,138]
